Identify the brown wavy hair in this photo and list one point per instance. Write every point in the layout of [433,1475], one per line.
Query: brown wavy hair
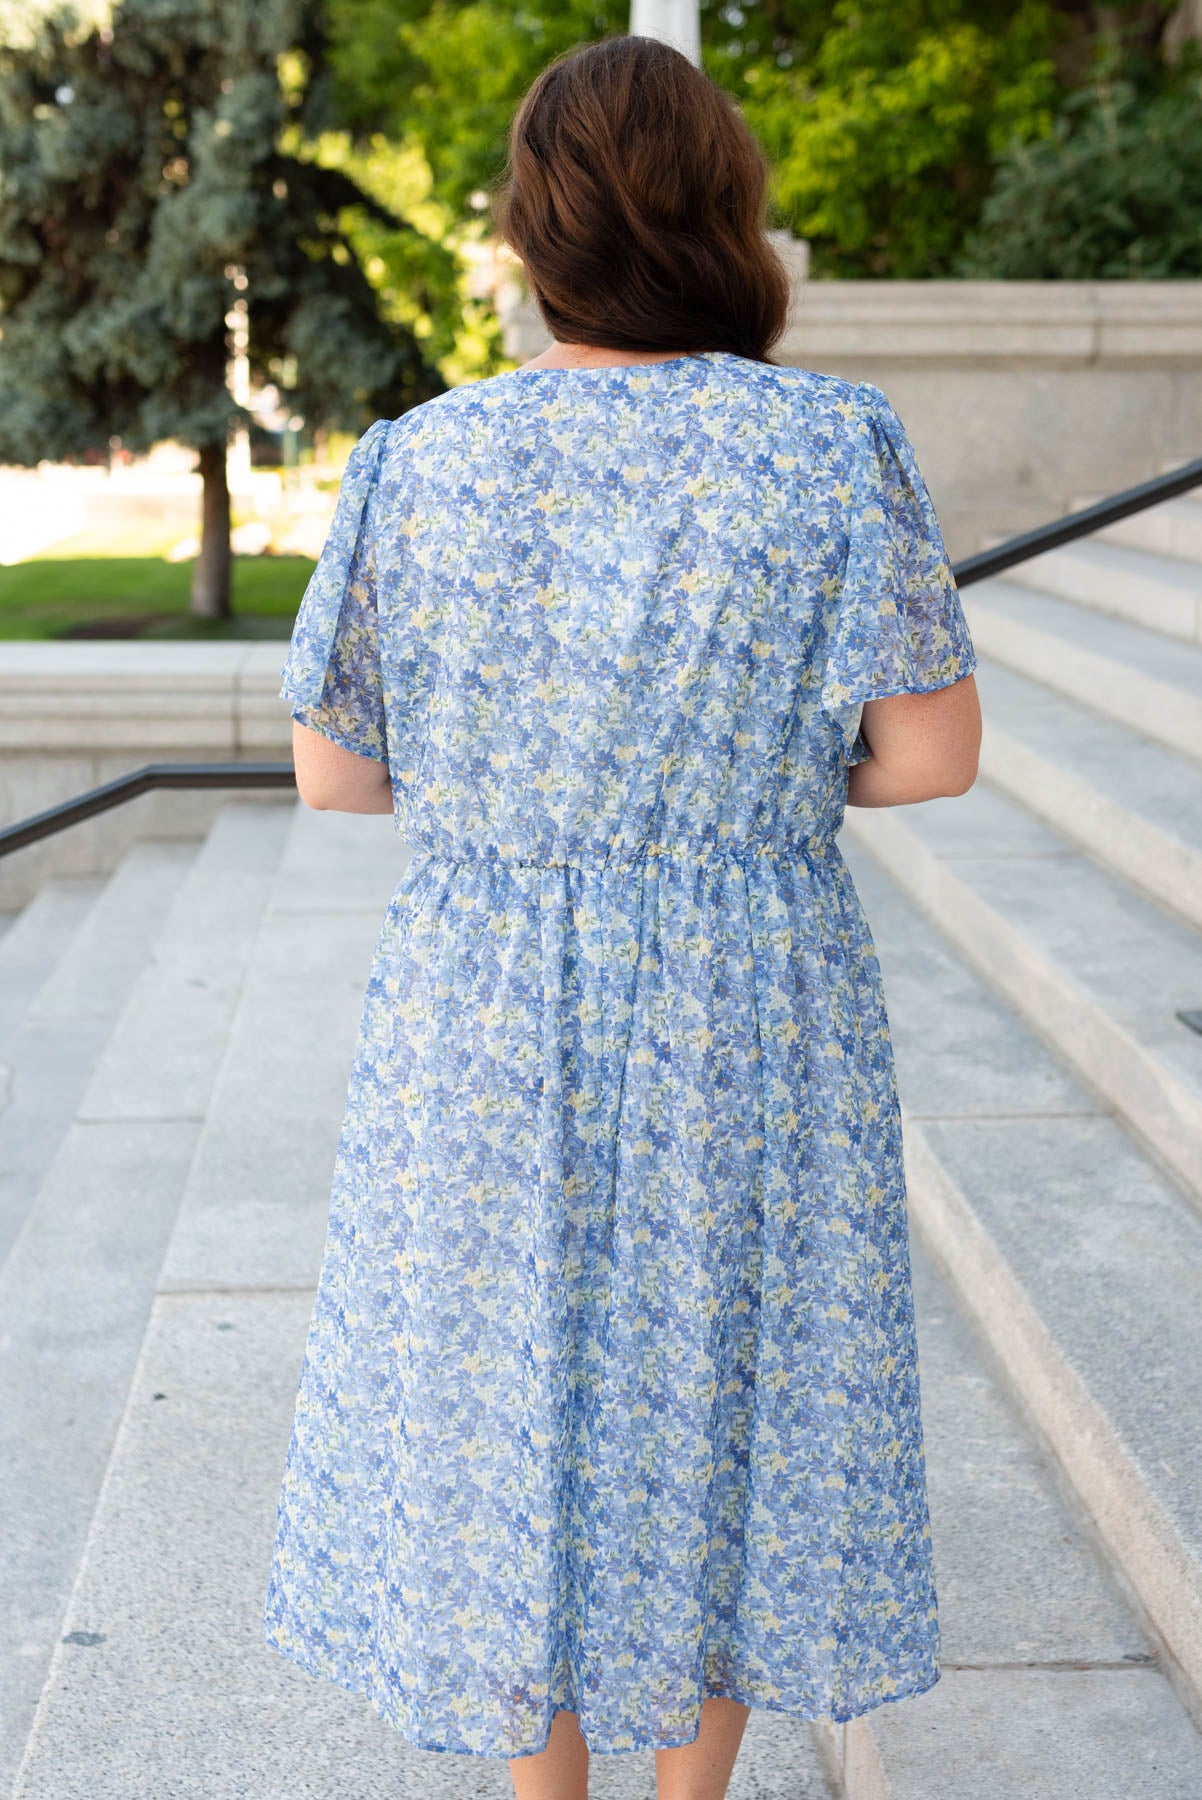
[634,196]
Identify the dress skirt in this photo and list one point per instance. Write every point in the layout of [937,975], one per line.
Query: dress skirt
[610,1397]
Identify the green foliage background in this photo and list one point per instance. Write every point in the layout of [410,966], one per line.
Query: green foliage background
[153,157]
[344,152]
[885,136]
[1113,192]
[908,138]
[889,123]
[343,155]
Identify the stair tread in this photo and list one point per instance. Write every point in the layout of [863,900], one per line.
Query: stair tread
[1148,653]
[33,940]
[1145,777]
[53,1045]
[77,1286]
[1142,568]
[1106,1246]
[1017,1577]
[1043,1735]
[1188,503]
[1172,528]
[1136,961]
[1122,580]
[92,976]
[258,1199]
[191,981]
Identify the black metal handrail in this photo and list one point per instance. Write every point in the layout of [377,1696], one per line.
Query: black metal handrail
[278,775]
[1078,524]
[143,781]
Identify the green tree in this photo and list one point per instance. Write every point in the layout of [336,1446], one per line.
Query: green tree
[426,279]
[449,74]
[884,138]
[885,120]
[1115,192]
[153,170]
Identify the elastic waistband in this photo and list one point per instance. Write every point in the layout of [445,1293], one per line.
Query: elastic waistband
[780,850]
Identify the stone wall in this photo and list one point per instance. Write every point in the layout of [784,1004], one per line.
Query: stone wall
[75,715]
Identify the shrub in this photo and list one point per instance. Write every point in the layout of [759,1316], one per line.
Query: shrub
[1115,191]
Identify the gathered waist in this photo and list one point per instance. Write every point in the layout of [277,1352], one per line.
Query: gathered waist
[701,852]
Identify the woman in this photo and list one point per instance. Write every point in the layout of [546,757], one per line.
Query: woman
[608,1425]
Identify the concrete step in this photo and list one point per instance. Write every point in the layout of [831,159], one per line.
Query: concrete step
[258,1199]
[1096,969]
[1078,1259]
[33,940]
[76,1289]
[1161,593]
[1134,805]
[51,1048]
[1174,528]
[1139,677]
[1034,1629]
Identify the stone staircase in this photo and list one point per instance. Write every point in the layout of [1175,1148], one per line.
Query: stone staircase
[175,1042]
[1038,937]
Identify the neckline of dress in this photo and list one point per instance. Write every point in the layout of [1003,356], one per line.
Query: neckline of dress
[663,362]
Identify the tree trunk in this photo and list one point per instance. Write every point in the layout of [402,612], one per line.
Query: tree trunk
[211,570]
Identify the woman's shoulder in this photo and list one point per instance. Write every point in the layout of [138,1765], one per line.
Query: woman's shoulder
[782,395]
[813,391]
[426,412]
[806,412]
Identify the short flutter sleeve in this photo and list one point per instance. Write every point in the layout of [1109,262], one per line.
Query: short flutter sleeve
[332,674]
[899,627]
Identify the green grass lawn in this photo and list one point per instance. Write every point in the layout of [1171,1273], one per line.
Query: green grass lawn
[144,597]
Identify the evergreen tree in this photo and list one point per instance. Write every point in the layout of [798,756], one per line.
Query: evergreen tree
[153,171]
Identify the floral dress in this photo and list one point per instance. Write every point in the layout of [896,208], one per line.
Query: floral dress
[610,1397]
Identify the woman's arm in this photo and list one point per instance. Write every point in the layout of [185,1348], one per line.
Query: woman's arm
[923,746]
[331,779]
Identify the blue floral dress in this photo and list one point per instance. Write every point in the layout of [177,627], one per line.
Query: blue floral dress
[610,1397]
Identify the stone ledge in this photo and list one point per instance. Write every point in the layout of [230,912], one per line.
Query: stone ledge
[1074,322]
[216,698]
[983,322]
